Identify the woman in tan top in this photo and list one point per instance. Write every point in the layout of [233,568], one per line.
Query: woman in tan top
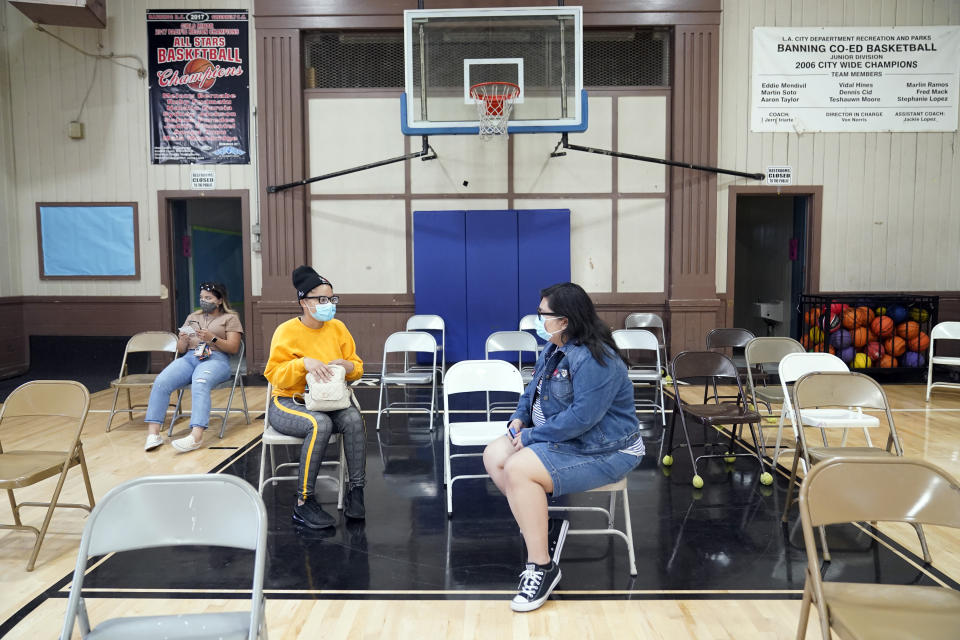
[207,338]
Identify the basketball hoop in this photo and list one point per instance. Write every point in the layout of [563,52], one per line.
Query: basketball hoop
[494,102]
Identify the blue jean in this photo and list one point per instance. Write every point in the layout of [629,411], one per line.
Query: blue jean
[201,375]
[574,472]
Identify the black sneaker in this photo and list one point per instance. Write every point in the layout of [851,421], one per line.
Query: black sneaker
[353,504]
[556,536]
[536,584]
[311,515]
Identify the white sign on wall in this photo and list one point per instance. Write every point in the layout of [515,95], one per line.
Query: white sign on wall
[203,179]
[780,175]
[853,79]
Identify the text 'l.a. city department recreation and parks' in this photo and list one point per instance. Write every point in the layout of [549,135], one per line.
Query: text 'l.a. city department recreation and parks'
[854,79]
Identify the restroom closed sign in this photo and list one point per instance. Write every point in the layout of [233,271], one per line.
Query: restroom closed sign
[203,179]
[780,175]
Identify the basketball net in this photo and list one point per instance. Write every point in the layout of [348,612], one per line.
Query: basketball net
[494,102]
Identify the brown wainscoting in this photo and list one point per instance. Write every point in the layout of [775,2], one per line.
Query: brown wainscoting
[92,315]
[369,317]
[14,355]
[690,320]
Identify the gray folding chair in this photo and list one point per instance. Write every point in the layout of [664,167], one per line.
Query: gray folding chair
[407,342]
[144,342]
[427,322]
[236,363]
[164,511]
[941,332]
[735,340]
[767,351]
[642,375]
[653,323]
[273,438]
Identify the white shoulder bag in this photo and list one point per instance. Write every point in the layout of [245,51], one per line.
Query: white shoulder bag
[332,395]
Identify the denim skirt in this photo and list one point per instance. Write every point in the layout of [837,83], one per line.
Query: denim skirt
[575,472]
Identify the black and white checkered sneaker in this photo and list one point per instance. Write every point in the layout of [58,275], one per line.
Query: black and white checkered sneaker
[536,584]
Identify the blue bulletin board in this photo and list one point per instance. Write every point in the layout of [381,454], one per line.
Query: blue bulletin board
[88,240]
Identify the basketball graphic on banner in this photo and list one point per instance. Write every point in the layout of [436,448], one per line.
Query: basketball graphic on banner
[203,71]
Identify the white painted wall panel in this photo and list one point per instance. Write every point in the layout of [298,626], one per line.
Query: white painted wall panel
[10,284]
[642,131]
[360,245]
[591,233]
[47,83]
[536,172]
[641,238]
[350,132]
[891,205]
[481,164]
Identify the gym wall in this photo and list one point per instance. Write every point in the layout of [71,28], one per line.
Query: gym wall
[890,200]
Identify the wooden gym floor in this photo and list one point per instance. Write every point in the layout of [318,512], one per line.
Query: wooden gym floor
[712,564]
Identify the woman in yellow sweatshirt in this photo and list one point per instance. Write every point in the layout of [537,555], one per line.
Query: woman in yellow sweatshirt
[311,343]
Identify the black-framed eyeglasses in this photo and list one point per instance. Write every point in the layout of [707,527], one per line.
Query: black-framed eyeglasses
[549,314]
[323,299]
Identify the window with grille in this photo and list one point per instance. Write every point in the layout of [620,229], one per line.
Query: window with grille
[637,57]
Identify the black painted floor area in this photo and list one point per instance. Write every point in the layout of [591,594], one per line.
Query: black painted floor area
[727,536]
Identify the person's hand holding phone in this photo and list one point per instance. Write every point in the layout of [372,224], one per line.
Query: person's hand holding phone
[513,432]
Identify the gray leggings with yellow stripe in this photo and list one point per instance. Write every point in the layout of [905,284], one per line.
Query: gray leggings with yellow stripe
[315,427]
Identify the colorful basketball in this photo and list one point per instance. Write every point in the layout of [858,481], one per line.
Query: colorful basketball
[872,337]
[887,362]
[895,346]
[920,343]
[849,320]
[837,308]
[865,316]
[861,361]
[874,350]
[830,321]
[811,316]
[897,313]
[919,315]
[882,326]
[841,339]
[819,348]
[908,329]
[860,335]
[881,311]
[816,335]
[805,341]
[913,359]
[847,354]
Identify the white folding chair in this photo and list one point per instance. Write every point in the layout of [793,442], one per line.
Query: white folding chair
[619,487]
[791,368]
[650,321]
[236,363]
[273,438]
[644,375]
[519,342]
[165,511]
[942,331]
[407,342]
[426,322]
[144,342]
[527,324]
[468,376]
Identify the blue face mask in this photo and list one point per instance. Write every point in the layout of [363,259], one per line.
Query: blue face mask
[542,330]
[324,312]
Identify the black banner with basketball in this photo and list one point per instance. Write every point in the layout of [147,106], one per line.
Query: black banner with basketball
[199,86]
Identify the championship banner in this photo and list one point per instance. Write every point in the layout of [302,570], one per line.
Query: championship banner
[855,79]
[199,86]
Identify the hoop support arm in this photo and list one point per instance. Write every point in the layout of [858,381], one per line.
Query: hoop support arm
[630,156]
[426,153]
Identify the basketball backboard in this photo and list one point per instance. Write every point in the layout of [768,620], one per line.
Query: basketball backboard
[446,51]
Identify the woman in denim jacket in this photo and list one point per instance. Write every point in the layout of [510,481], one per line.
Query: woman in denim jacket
[574,429]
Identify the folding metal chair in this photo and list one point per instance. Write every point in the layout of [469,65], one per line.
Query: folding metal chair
[407,342]
[733,339]
[237,362]
[644,375]
[823,400]
[164,511]
[469,376]
[273,438]
[425,322]
[147,341]
[888,489]
[46,400]
[527,324]
[767,351]
[710,365]
[942,331]
[653,323]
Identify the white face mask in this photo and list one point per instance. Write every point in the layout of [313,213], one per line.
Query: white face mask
[324,312]
[539,324]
